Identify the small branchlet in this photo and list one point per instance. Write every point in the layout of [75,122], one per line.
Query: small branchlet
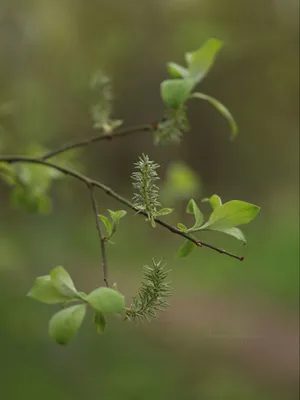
[151,296]
[146,197]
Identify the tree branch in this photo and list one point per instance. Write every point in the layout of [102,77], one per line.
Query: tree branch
[97,138]
[101,237]
[90,182]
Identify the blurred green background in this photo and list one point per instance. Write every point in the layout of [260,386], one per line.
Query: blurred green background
[232,329]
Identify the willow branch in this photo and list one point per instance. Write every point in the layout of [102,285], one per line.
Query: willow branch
[90,182]
[97,138]
[100,234]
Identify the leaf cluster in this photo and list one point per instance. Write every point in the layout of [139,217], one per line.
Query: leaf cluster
[224,218]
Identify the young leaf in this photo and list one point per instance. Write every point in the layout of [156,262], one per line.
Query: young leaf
[182,227]
[165,211]
[62,281]
[106,300]
[186,249]
[231,214]
[215,201]
[177,71]
[44,291]
[222,110]
[64,325]
[100,321]
[107,223]
[175,92]
[192,208]
[201,60]
[116,216]
[235,232]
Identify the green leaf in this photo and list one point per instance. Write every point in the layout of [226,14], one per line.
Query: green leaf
[192,208]
[215,201]
[64,325]
[235,232]
[100,321]
[62,281]
[201,61]
[165,211]
[116,216]
[107,223]
[186,249]
[181,183]
[222,110]
[182,227]
[44,291]
[177,71]
[7,173]
[106,300]
[231,214]
[175,92]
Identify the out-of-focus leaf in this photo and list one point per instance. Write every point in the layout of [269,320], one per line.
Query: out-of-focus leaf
[106,300]
[186,249]
[44,291]
[201,60]
[100,321]
[62,281]
[181,183]
[175,92]
[222,110]
[64,325]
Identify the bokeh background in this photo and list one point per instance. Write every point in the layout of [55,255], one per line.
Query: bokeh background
[231,331]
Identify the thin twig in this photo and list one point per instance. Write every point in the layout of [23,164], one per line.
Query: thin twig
[100,234]
[98,138]
[111,193]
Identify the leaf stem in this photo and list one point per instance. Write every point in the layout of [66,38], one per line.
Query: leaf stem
[100,234]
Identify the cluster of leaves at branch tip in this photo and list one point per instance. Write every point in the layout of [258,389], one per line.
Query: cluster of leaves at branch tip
[224,218]
[177,91]
[31,183]
[146,197]
[111,224]
[58,288]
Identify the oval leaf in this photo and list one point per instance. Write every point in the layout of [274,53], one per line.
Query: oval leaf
[222,110]
[186,249]
[62,281]
[64,325]
[44,291]
[106,300]
[100,321]
[201,61]
[175,92]
[231,214]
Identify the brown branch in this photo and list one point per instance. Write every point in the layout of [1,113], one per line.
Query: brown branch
[97,138]
[101,237]
[90,182]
